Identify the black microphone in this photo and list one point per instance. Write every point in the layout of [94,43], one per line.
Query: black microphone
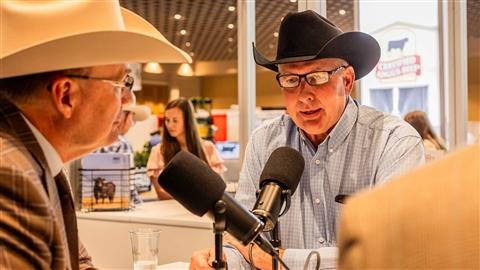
[340,198]
[198,188]
[279,179]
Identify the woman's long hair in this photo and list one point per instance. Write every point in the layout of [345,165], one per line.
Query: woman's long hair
[419,120]
[170,145]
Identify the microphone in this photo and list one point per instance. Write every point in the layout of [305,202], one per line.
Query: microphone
[340,198]
[198,188]
[279,179]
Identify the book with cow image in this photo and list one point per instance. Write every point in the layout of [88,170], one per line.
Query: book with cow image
[106,180]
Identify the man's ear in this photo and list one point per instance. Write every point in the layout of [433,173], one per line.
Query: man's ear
[349,79]
[61,92]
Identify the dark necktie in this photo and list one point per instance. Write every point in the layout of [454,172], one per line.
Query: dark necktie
[69,217]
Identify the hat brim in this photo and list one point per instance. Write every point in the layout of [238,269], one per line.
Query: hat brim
[139,42]
[140,112]
[359,49]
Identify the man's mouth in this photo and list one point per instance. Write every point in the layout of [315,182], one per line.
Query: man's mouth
[310,111]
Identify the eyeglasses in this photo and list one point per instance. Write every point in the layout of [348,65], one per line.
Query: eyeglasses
[125,85]
[315,78]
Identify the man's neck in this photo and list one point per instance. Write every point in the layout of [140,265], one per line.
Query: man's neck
[317,139]
[52,131]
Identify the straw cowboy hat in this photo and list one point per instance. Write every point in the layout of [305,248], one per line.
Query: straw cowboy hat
[40,36]
[307,36]
[140,112]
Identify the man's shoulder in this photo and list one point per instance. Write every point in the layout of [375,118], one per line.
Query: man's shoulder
[15,156]
[432,182]
[274,126]
[374,119]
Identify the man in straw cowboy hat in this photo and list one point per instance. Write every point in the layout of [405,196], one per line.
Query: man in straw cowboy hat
[346,146]
[63,83]
[131,114]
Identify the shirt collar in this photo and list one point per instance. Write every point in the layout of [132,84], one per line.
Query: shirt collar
[54,161]
[344,125]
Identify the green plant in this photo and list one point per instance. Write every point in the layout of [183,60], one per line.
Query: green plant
[140,158]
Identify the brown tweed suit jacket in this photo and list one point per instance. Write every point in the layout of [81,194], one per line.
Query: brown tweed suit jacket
[32,229]
[426,219]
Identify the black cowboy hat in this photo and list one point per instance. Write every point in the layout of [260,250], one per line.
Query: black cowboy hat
[306,36]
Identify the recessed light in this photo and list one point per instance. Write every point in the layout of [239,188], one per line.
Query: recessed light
[183,32]
[230,26]
[188,44]
[275,34]
[293,1]
[177,16]
[192,54]
[231,8]
[230,39]
[342,12]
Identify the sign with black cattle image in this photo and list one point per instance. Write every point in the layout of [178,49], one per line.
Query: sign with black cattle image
[106,181]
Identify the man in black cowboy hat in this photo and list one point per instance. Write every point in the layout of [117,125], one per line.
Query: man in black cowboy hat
[346,146]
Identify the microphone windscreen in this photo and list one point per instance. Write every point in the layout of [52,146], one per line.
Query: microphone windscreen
[284,166]
[192,183]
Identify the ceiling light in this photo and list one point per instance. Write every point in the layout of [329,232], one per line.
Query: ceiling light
[188,44]
[231,8]
[183,32]
[177,16]
[275,34]
[185,70]
[153,67]
[342,12]
[230,39]
[192,54]
[293,1]
[230,26]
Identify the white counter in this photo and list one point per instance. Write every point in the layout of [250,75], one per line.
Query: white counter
[106,234]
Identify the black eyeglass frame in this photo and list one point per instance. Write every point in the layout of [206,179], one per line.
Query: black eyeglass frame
[125,83]
[304,76]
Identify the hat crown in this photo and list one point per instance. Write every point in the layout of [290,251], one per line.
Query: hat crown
[304,34]
[42,21]
[49,35]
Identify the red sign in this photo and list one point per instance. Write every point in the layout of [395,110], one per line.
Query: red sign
[399,67]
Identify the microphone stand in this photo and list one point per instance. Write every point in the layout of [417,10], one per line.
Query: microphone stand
[276,243]
[275,233]
[219,226]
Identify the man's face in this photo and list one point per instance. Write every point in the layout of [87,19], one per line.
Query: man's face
[126,122]
[316,109]
[100,113]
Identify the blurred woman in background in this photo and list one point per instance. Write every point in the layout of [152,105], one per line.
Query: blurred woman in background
[434,145]
[180,133]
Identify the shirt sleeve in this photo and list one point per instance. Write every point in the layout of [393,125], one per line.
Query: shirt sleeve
[216,162]
[293,258]
[155,162]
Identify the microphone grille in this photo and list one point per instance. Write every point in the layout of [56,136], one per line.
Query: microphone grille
[192,183]
[285,166]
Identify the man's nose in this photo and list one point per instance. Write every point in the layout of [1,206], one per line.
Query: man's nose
[128,98]
[305,91]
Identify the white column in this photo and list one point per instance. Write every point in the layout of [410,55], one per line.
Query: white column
[455,70]
[319,6]
[246,71]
